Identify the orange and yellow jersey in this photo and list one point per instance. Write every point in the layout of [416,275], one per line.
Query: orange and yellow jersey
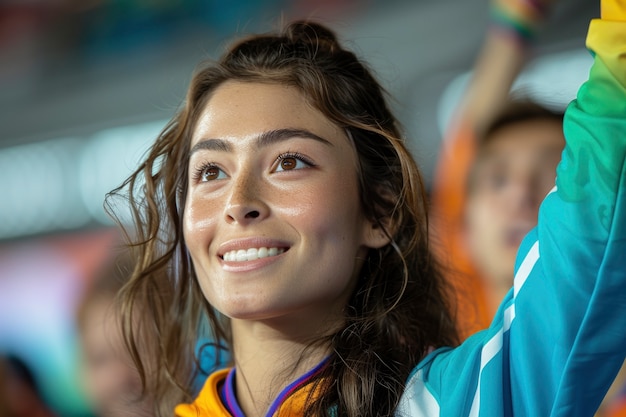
[217,397]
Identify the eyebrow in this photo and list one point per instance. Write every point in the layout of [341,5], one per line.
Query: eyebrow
[265,139]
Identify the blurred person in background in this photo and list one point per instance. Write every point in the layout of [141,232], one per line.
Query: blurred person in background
[19,393]
[486,198]
[498,162]
[110,378]
[513,170]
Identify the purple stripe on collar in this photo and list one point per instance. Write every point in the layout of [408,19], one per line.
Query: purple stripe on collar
[227,393]
[294,386]
[229,397]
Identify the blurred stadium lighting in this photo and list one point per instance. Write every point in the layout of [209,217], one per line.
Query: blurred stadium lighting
[107,159]
[60,184]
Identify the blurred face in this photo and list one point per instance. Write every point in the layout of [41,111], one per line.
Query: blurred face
[110,379]
[515,171]
[272,218]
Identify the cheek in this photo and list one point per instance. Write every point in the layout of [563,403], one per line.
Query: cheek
[477,212]
[548,180]
[199,218]
[326,209]
[482,220]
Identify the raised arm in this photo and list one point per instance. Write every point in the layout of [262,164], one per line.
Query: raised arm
[582,238]
[559,337]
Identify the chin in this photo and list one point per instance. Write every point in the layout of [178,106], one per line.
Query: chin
[245,311]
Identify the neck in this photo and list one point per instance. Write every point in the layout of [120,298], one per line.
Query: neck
[268,357]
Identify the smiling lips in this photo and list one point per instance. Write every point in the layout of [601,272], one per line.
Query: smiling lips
[251,254]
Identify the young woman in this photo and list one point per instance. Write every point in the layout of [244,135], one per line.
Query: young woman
[281,205]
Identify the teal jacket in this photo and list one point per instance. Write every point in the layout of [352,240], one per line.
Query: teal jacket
[559,337]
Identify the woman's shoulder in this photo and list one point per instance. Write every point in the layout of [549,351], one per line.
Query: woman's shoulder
[208,401]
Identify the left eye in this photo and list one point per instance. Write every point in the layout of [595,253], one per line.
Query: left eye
[290,162]
[209,172]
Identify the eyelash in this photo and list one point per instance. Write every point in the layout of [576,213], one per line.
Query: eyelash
[294,155]
[199,172]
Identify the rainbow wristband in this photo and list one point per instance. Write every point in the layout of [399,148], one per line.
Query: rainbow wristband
[519,18]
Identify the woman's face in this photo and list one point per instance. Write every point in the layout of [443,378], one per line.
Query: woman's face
[272,218]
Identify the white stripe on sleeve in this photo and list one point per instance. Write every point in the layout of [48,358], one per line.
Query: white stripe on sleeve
[494,345]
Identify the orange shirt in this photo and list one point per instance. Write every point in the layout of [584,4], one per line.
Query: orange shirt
[448,199]
[209,402]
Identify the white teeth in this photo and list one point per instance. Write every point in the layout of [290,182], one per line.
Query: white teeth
[251,254]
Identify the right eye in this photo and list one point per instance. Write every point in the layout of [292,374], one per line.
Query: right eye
[209,172]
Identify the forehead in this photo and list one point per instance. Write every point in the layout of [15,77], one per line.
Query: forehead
[240,109]
[527,146]
[530,136]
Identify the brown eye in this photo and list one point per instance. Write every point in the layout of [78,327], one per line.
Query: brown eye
[211,173]
[292,161]
[288,163]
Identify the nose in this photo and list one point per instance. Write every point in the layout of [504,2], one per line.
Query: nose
[525,194]
[245,204]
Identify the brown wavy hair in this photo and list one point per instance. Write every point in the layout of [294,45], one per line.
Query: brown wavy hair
[399,309]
